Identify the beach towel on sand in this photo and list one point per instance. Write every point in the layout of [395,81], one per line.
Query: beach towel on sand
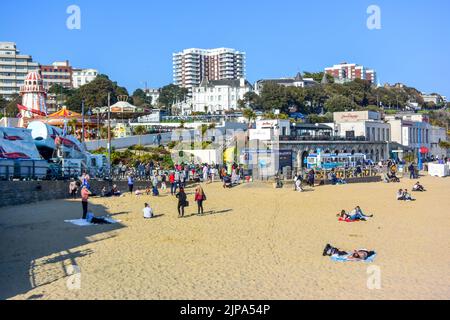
[346,258]
[85,223]
[349,221]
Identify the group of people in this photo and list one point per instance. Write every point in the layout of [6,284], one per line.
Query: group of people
[334,179]
[183,202]
[404,195]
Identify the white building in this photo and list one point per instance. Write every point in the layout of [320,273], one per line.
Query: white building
[219,96]
[14,68]
[83,76]
[412,131]
[361,124]
[437,135]
[191,66]
[433,98]
[266,130]
[297,81]
[153,94]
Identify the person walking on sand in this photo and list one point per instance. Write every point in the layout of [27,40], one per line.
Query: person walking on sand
[182,202]
[199,198]
[311,177]
[85,193]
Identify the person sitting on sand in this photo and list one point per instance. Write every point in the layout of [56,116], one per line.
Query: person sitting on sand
[115,191]
[104,193]
[334,179]
[357,214]
[407,196]
[357,255]
[392,177]
[148,212]
[400,195]
[418,187]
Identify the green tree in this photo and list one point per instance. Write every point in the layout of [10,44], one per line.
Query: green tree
[339,103]
[273,96]
[140,98]
[252,100]
[10,109]
[444,145]
[249,114]
[140,130]
[170,94]
[317,76]
[3,105]
[95,94]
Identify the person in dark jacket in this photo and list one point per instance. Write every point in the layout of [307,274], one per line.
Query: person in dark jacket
[182,202]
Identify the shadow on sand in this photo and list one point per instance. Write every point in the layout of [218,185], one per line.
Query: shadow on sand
[207,213]
[30,233]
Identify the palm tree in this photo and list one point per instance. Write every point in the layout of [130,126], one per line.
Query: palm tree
[249,114]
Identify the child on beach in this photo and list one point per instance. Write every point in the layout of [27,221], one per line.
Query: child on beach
[148,212]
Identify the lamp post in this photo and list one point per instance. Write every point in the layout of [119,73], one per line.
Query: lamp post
[82,120]
[89,114]
[109,132]
[420,164]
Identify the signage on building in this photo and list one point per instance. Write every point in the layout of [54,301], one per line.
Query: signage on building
[355,116]
[260,134]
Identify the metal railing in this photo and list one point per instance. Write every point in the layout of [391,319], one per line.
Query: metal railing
[39,170]
[321,138]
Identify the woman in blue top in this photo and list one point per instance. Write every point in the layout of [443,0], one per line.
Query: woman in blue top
[130,183]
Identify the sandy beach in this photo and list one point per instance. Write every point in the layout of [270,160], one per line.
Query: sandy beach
[254,242]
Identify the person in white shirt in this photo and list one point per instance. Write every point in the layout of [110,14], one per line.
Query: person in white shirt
[148,212]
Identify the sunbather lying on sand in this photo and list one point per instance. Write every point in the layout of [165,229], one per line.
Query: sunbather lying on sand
[92,219]
[357,255]
[355,215]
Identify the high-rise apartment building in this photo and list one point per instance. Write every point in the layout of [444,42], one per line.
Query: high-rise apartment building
[57,73]
[14,68]
[345,72]
[191,66]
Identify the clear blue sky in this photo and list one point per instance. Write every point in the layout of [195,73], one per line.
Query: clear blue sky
[132,41]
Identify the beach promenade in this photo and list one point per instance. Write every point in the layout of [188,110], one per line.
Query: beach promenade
[254,242]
